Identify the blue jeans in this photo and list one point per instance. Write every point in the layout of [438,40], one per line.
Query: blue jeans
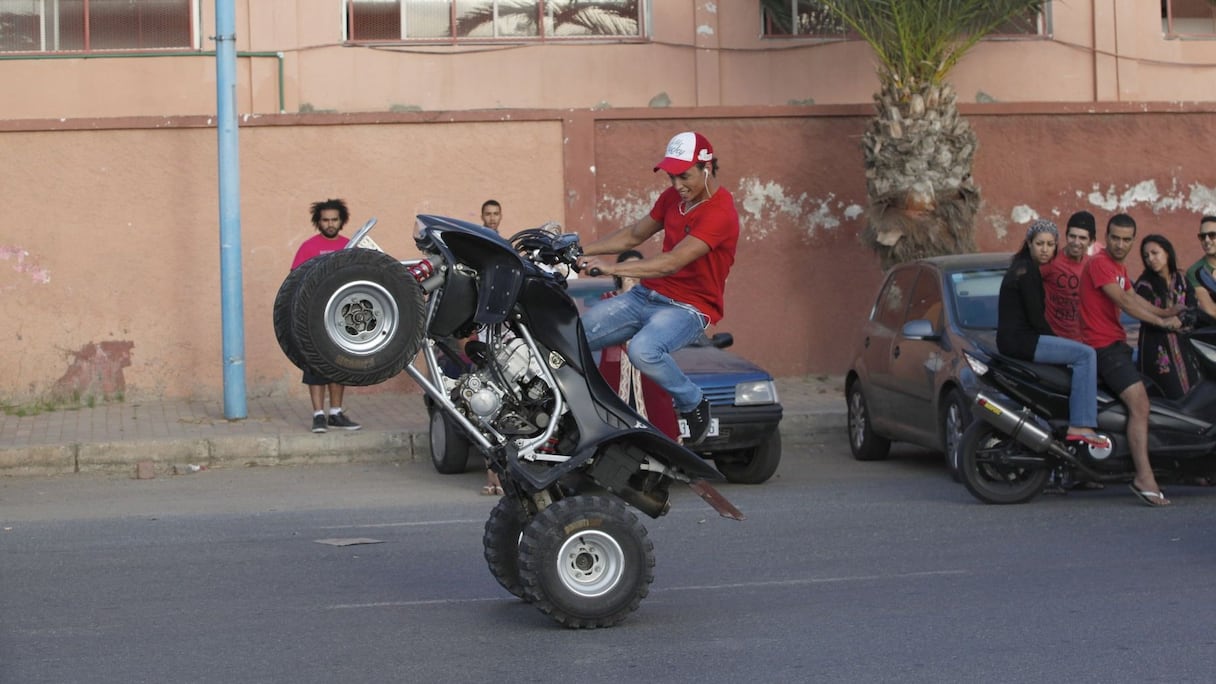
[655,326]
[1083,401]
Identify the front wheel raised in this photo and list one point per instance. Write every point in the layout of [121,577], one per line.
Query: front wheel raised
[996,469]
[357,317]
[586,561]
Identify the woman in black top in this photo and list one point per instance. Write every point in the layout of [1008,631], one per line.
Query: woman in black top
[1023,333]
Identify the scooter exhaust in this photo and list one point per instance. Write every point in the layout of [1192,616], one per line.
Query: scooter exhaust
[1016,424]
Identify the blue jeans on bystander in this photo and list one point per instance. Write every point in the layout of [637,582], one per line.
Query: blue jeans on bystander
[1083,401]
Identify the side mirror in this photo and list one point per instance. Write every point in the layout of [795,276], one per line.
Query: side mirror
[919,329]
[722,340]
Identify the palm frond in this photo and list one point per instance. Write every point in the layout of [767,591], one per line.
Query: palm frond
[920,41]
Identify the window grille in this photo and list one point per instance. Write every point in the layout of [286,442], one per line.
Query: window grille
[95,25]
[489,20]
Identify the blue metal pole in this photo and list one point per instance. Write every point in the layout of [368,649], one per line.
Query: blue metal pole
[231,286]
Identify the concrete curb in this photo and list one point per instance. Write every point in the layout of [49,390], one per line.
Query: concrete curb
[169,456]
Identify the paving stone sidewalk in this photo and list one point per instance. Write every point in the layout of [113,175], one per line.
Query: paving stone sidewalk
[171,436]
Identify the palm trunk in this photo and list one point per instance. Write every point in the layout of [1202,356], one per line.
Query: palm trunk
[918,153]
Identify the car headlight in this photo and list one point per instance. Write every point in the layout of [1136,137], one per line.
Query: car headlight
[754,393]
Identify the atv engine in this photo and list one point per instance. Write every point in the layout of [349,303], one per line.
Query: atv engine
[505,389]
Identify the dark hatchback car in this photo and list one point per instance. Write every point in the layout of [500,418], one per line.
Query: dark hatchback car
[908,381]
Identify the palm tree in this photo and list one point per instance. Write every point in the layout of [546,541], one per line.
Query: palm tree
[569,17]
[918,151]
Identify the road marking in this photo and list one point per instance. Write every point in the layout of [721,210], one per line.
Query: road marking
[815,580]
[702,587]
[404,524]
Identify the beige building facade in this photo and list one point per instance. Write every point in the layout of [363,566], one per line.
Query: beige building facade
[109,262]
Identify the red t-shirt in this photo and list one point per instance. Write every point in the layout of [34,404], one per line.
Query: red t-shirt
[317,245]
[715,222]
[1061,284]
[1100,325]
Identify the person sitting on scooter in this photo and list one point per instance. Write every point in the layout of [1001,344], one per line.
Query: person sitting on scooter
[1023,332]
[1106,290]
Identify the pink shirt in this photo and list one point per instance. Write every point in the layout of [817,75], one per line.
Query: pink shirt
[317,245]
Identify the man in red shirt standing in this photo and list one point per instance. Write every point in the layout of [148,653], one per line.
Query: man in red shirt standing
[1106,290]
[328,217]
[682,288]
[1062,276]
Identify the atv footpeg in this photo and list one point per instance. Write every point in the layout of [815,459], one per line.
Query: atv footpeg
[715,499]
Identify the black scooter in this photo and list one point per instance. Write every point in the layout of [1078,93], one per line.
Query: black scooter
[1017,442]
[569,452]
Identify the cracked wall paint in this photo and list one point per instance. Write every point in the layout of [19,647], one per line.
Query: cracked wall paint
[23,264]
[765,204]
[621,211]
[1195,197]
[1023,214]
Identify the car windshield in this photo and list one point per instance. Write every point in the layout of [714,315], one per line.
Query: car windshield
[975,297]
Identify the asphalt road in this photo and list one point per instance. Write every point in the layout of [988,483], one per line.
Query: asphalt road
[843,572]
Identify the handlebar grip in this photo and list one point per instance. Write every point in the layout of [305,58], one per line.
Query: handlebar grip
[595,272]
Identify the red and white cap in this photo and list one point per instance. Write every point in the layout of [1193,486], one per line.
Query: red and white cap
[683,151]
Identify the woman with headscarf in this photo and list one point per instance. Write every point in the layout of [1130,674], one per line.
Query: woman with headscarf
[1162,357]
[1023,333]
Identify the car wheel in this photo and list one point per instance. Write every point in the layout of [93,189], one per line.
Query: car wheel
[955,419]
[501,542]
[752,466]
[357,317]
[866,445]
[988,474]
[449,446]
[586,561]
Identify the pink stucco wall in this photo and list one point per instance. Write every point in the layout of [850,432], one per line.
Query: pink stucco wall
[109,279]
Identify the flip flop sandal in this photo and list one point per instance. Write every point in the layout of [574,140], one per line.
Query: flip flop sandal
[1154,499]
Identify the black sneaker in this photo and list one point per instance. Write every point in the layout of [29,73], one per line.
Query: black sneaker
[339,420]
[318,424]
[698,422]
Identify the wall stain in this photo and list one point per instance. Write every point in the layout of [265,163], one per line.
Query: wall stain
[23,264]
[95,371]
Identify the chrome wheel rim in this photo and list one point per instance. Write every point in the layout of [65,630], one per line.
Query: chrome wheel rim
[590,563]
[361,317]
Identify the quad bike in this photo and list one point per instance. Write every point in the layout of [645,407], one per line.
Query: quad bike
[571,455]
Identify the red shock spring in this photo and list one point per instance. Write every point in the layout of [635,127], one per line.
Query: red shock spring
[421,270]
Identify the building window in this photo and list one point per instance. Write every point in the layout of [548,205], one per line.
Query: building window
[95,25]
[1188,17]
[786,18]
[809,18]
[488,20]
